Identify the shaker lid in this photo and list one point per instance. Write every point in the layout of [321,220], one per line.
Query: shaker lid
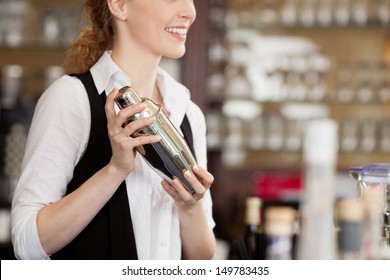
[372,173]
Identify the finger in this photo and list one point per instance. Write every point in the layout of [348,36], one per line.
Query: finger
[170,190]
[114,121]
[195,182]
[206,177]
[126,113]
[182,191]
[136,125]
[109,106]
[143,140]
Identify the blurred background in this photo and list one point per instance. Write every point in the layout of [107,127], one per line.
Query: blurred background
[259,69]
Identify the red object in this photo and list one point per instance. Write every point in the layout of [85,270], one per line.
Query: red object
[278,186]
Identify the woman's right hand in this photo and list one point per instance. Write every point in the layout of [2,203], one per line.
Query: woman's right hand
[122,144]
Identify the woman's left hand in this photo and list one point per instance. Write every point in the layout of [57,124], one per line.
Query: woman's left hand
[201,182]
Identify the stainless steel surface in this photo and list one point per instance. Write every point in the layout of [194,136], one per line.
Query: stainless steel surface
[171,156]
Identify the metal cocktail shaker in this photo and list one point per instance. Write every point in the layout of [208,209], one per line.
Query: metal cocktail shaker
[169,157]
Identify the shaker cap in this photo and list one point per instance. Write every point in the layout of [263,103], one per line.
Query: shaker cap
[373,173]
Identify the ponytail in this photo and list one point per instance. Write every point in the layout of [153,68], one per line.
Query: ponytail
[93,40]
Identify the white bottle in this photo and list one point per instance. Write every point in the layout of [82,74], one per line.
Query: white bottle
[317,239]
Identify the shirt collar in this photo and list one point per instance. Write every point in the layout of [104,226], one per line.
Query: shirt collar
[176,96]
[107,75]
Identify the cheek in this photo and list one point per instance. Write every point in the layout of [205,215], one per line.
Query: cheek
[141,13]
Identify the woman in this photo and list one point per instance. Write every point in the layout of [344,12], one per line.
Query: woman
[84,193]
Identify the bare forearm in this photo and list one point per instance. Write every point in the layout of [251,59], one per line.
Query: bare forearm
[198,240]
[60,222]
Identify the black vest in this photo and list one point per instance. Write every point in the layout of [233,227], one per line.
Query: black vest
[110,235]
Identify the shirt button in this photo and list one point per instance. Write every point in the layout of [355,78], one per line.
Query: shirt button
[167,199]
[163,244]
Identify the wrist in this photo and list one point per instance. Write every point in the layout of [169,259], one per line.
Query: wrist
[116,171]
[190,210]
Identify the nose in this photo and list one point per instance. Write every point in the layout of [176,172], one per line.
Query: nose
[188,10]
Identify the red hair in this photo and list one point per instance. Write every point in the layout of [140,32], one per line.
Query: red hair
[93,40]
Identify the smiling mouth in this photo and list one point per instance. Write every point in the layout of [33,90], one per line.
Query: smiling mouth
[177,30]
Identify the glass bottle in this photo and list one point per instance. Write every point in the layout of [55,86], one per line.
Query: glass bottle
[307,12]
[256,139]
[360,12]
[275,132]
[325,12]
[364,90]
[383,12]
[368,138]
[350,222]
[279,229]
[344,92]
[289,12]
[234,153]
[384,141]
[373,183]
[349,135]
[342,12]
[214,129]
[383,82]
[373,221]
[294,135]
[253,230]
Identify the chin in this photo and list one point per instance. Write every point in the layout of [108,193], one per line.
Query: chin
[176,54]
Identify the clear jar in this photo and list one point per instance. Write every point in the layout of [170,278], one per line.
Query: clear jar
[372,175]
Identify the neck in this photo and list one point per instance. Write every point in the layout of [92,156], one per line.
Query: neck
[140,66]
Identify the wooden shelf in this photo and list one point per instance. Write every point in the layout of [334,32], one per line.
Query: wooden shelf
[292,161]
[32,56]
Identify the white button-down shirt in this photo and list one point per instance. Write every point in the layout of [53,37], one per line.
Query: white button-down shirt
[57,139]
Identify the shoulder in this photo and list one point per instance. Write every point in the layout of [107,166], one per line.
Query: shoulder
[67,90]
[68,83]
[195,112]
[65,99]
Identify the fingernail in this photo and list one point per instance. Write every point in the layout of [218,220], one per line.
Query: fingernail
[156,138]
[196,167]
[187,174]
[176,182]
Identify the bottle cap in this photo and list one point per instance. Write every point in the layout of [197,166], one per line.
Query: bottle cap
[252,206]
[280,220]
[321,141]
[350,209]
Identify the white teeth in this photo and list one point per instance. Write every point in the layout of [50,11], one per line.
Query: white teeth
[180,31]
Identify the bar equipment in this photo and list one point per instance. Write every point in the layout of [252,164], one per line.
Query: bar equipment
[169,157]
